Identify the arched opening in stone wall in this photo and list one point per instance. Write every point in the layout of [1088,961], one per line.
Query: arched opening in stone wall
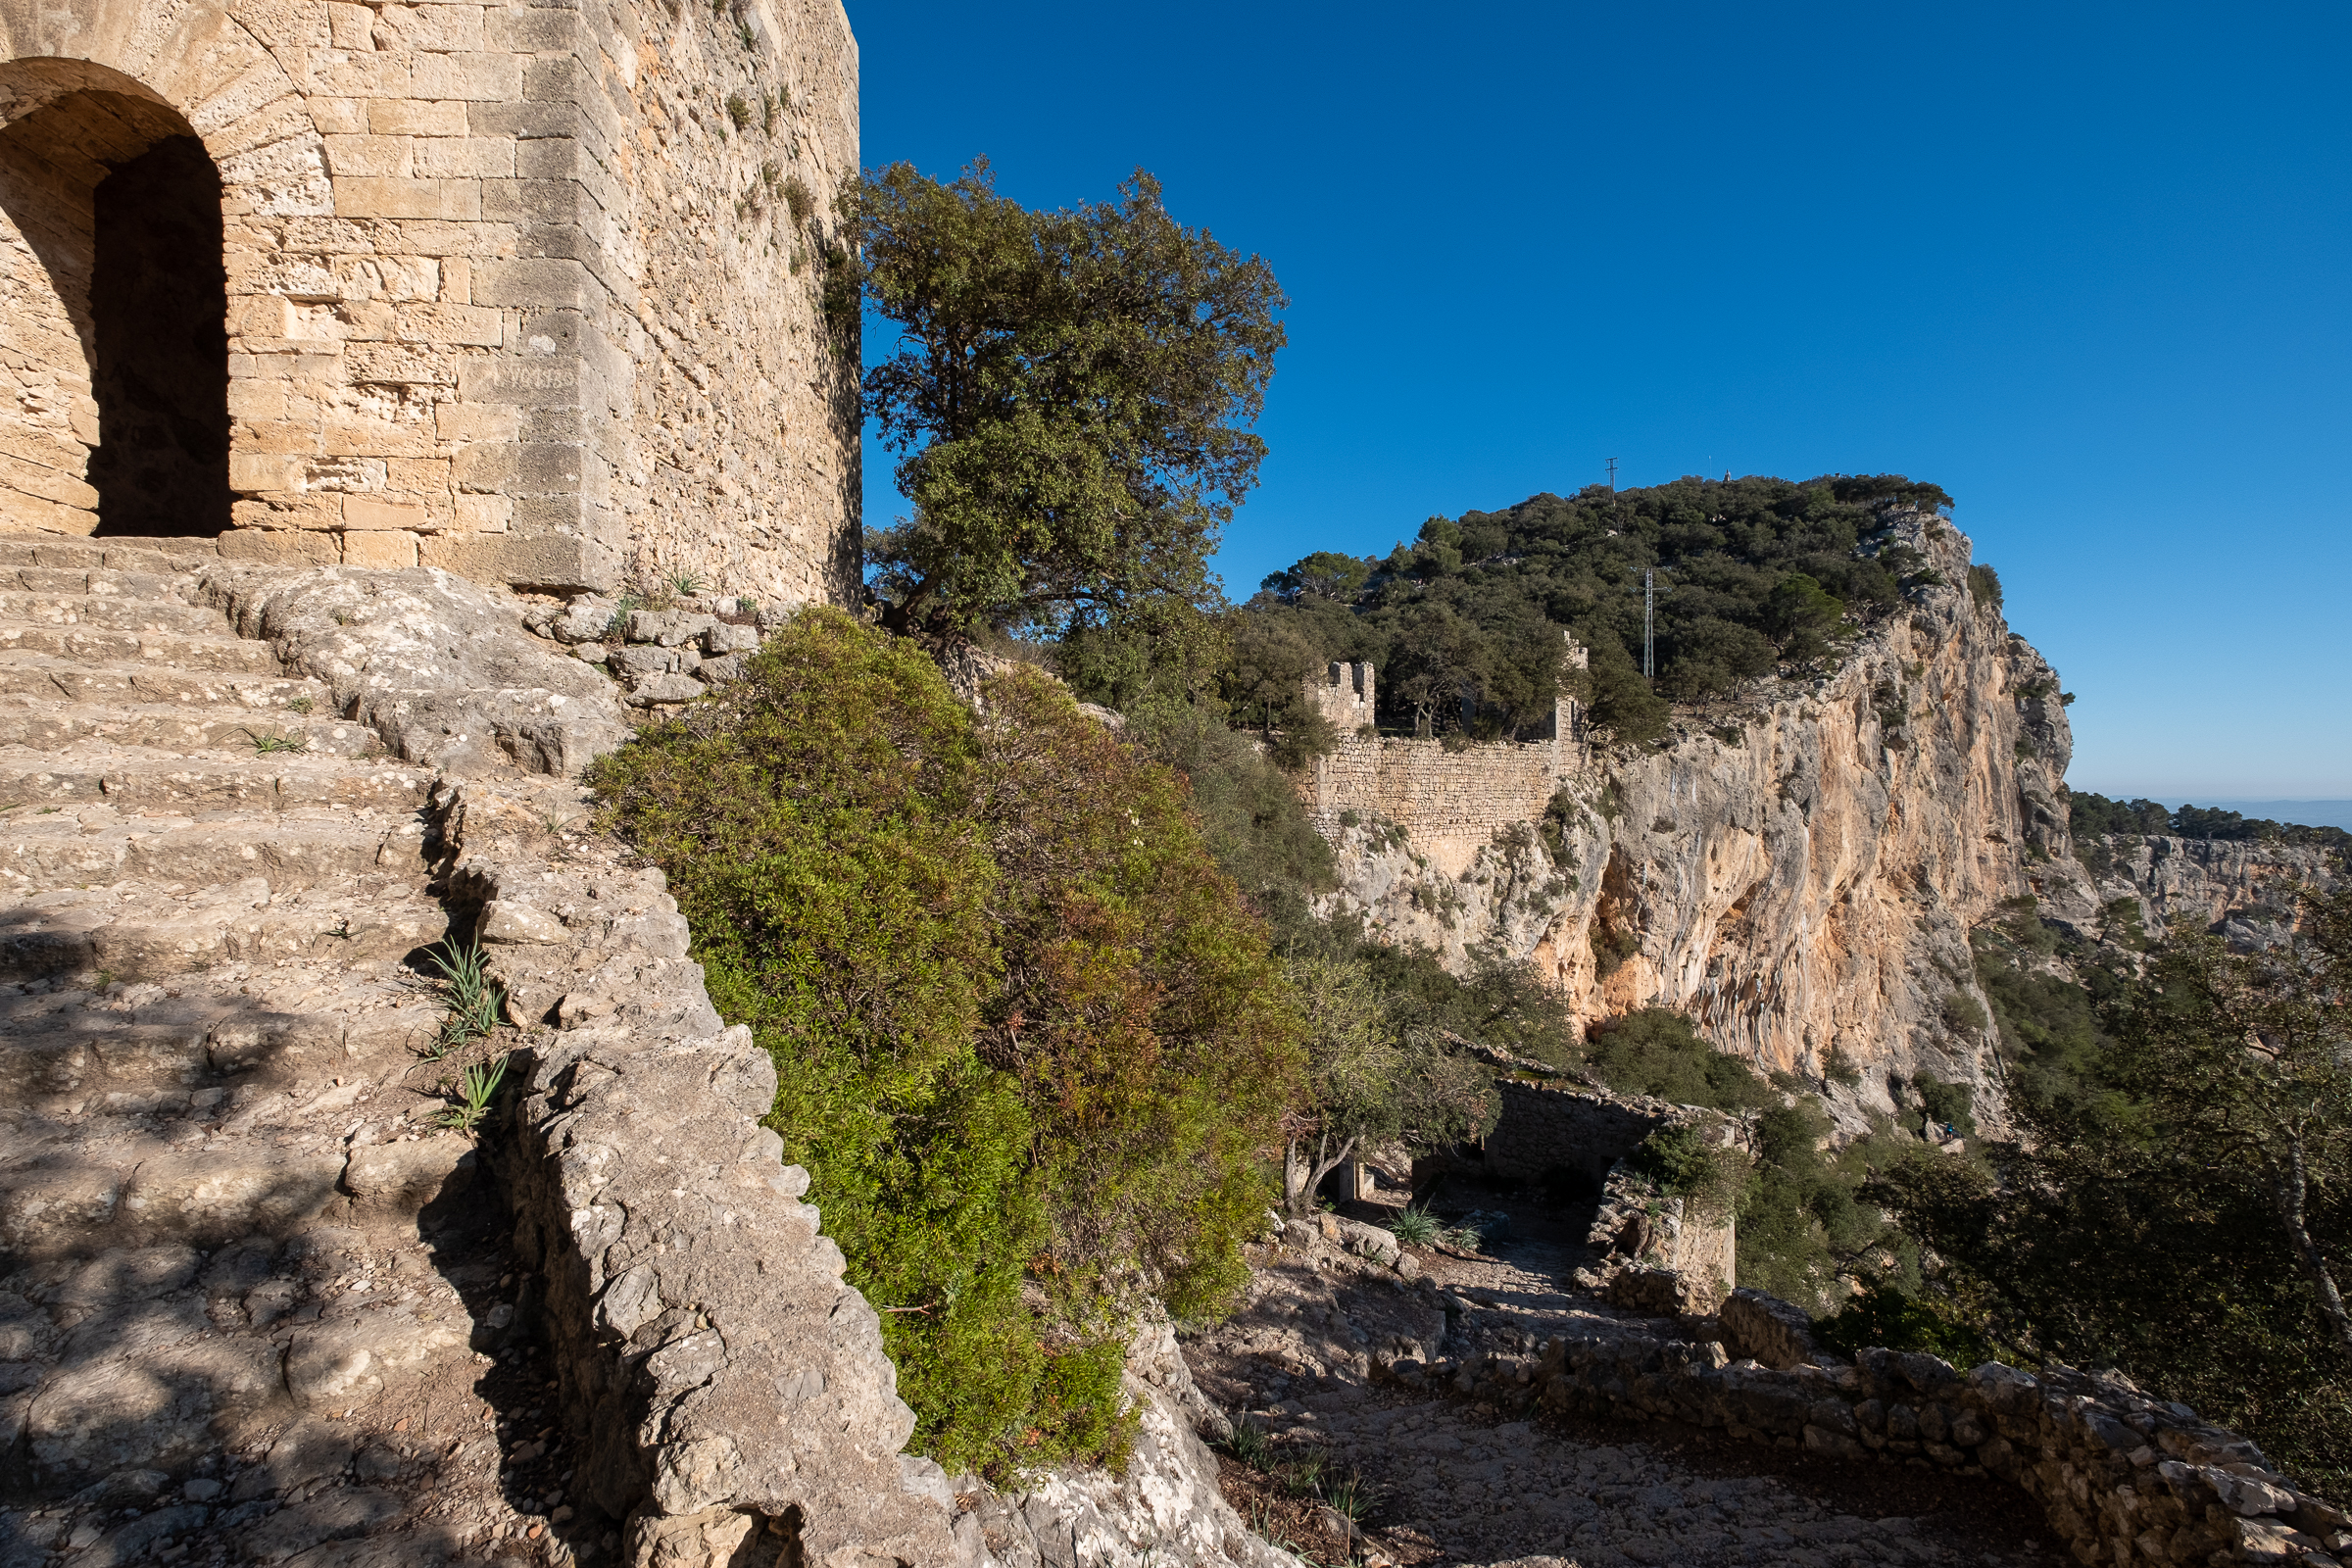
[113,341]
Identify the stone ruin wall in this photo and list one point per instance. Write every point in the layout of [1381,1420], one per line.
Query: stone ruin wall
[506,289]
[1450,802]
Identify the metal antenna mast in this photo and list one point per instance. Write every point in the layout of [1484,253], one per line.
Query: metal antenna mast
[1612,476]
[1649,620]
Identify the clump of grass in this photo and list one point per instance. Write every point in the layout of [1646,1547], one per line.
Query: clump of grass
[1351,1498]
[739,110]
[476,1087]
[274,742]
[685,584]
[1414,1223]
[298,704]
[628,605]
[475,999]
[1248,1444]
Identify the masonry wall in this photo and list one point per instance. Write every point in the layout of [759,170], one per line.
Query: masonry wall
[509,289]
[1543,1129]
[1450,803]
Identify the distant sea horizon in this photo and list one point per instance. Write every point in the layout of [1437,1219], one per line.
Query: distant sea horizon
[2300,813]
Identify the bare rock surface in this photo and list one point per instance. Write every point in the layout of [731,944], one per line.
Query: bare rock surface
[1347,1368]
[254,1303]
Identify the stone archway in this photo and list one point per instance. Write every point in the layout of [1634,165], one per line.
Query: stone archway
[113,284]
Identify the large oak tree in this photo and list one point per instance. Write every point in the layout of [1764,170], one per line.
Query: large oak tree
[1070,396]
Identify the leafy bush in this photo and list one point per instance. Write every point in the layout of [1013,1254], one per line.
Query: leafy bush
[1887,1315]
[1984,586]
[1685,1164]
[1656,1053]
[1803,1230]
[1029,1041]
[1945,1104]
[1964,1015]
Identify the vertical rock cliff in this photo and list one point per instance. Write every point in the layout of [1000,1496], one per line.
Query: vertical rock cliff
[1798,875]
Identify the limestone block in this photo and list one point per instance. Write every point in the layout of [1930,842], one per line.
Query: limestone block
[280,546]
[639,661]
[216,1196]
[450,324]
[552,562]
[653,689]
[394,1181]
[385,550]
[507,920]
[411,117]
[43,1204]
[670,628]
[362,513]
[722,638]
[359,196]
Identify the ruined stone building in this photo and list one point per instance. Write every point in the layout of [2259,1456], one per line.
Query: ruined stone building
[536,294]
[1451,800]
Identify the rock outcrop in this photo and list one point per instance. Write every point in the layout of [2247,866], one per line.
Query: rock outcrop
[1799,876]
[253,1290]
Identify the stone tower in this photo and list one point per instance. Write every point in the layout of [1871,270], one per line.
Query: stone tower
[534,293]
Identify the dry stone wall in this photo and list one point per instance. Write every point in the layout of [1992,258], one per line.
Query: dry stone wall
[531,293]
[2123,1477]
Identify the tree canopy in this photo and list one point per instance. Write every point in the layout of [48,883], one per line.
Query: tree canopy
[2179,1202]
[1069,395]
[2092,813]
[1464,623]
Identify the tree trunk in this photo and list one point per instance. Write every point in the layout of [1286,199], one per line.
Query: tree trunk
[2290,1190]
[1308,1174]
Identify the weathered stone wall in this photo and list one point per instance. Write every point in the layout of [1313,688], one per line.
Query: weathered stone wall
[1544,1129]
[519,291]
[2121,1477]
[1450,804]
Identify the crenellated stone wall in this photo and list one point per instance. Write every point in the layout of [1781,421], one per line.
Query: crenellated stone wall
[534,294]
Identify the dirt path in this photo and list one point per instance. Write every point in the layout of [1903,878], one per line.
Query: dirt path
[1308,1359]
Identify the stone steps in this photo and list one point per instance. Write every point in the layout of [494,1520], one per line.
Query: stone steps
[114,611]
[46,847]
[261,733]
[144,931]
[233,1236]
[124,581]
[135,777]
[222,655]
[49,678]
[164,557]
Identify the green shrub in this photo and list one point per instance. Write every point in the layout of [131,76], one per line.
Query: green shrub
[1885,1314]
[1964,1015]
[1656,1053]
[1685,1164]
[1984,586]
[1945,1104]
[1030,1044]
[1802,1227]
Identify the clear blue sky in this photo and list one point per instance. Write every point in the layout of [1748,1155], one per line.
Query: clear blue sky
[2084,266]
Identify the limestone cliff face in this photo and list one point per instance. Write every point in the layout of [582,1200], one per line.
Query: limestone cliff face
[1799,877]
[2243,893]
